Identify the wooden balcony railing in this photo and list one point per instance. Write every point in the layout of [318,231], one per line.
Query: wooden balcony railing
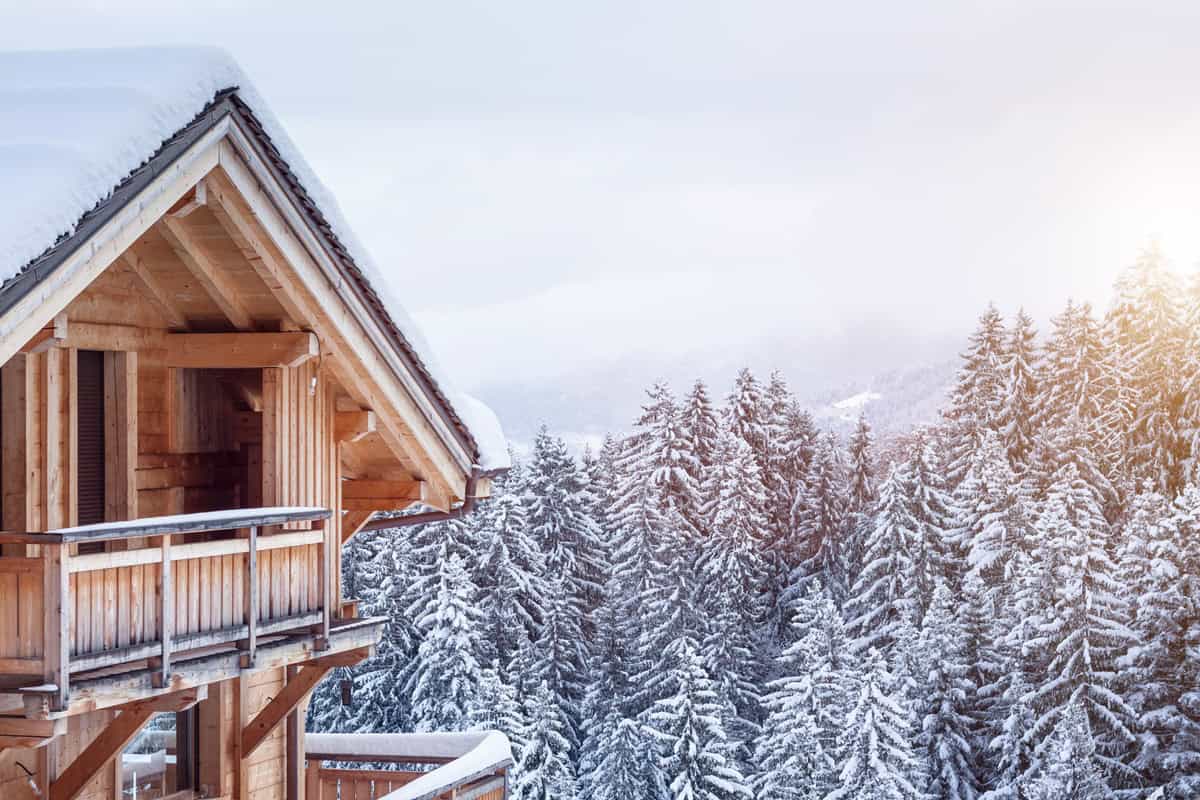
[153,594]
[470,766]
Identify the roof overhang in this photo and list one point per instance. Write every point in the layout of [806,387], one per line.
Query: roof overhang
[226,136]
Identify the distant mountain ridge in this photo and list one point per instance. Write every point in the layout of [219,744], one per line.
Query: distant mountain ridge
[835,378]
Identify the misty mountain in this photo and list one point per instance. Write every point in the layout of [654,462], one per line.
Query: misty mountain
[910,373]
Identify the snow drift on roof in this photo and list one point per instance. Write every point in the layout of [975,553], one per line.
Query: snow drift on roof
[74,124]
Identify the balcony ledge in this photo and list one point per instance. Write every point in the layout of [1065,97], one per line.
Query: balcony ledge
[472,764]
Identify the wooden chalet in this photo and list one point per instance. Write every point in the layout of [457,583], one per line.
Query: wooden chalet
[204,394]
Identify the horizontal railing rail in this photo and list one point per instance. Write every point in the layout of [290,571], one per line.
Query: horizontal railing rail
[64,612]
[470,766]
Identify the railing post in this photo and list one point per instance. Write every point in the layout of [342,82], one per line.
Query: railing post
[166,613]
[251,595]
[56,628]
[323,581]
[312,780]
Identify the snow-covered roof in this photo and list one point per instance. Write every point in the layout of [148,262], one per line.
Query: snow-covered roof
[75,124]
[473,755]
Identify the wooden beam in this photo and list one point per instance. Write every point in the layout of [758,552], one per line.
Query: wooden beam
[350,426]
[301,286]
[153,291]
[113,739]
[193,200]
[195,257]
[352,523]
[240,350]
[281,705]
[120,435]
[367,489]
[33,728]
[102,336]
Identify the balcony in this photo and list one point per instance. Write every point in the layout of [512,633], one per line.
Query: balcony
[157,605]
[465,766]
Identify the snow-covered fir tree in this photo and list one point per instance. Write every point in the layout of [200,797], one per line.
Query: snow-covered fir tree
[696,758]
[730,600]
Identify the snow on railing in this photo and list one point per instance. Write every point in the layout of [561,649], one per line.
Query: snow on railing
[475,760]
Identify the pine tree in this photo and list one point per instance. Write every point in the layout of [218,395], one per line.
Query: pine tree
[881,596]
[622,769]
[947,728]
[992,521]
[819,518]
[544,771]
[509,573]
[977,399]
[818,671]
[558,504]
[696,758]
[701,428]
[861,494]
[444,684]
[1069,769]
[1076,378]
[933,553]
[1147,337]
[1085,631]
[559,656]
[732,557]
[875,751]
[1161,555]
[791,764]
[746,417]
[1021,376]
[497,707]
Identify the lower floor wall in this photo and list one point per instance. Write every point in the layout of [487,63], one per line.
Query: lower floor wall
[230,705]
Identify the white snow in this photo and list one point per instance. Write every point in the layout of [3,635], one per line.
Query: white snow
[473,753]
[857,401]
[214,518]
[74,124]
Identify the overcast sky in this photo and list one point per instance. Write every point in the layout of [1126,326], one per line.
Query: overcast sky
[553,184]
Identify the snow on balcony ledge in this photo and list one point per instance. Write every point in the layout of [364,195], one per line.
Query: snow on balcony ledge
[470,756]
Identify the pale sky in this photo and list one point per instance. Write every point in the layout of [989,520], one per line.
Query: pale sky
[552,184]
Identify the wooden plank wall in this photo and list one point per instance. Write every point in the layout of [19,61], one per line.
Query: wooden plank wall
[21,603]
[264,769]
[300,465]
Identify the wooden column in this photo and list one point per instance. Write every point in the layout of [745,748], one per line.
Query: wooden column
[166,611]
[120,435]
[15,394]
[56,627]
[294,746]
[250,595]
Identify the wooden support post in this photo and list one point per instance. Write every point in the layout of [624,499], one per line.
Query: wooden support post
[113,739]
[56,626]
[324,564]
[312,780]
[353,521]
[251,599]
[293,744]
[120,436]
[166,611]
[282,704]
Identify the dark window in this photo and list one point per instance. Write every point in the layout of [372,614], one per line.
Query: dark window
[90,411]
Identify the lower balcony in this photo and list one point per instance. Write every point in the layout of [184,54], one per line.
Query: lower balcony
[96,616]
[426,766]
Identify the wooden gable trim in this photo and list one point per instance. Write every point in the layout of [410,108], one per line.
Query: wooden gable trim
[383,379]
[34,311]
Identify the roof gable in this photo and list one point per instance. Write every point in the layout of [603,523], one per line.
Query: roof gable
[102,124]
